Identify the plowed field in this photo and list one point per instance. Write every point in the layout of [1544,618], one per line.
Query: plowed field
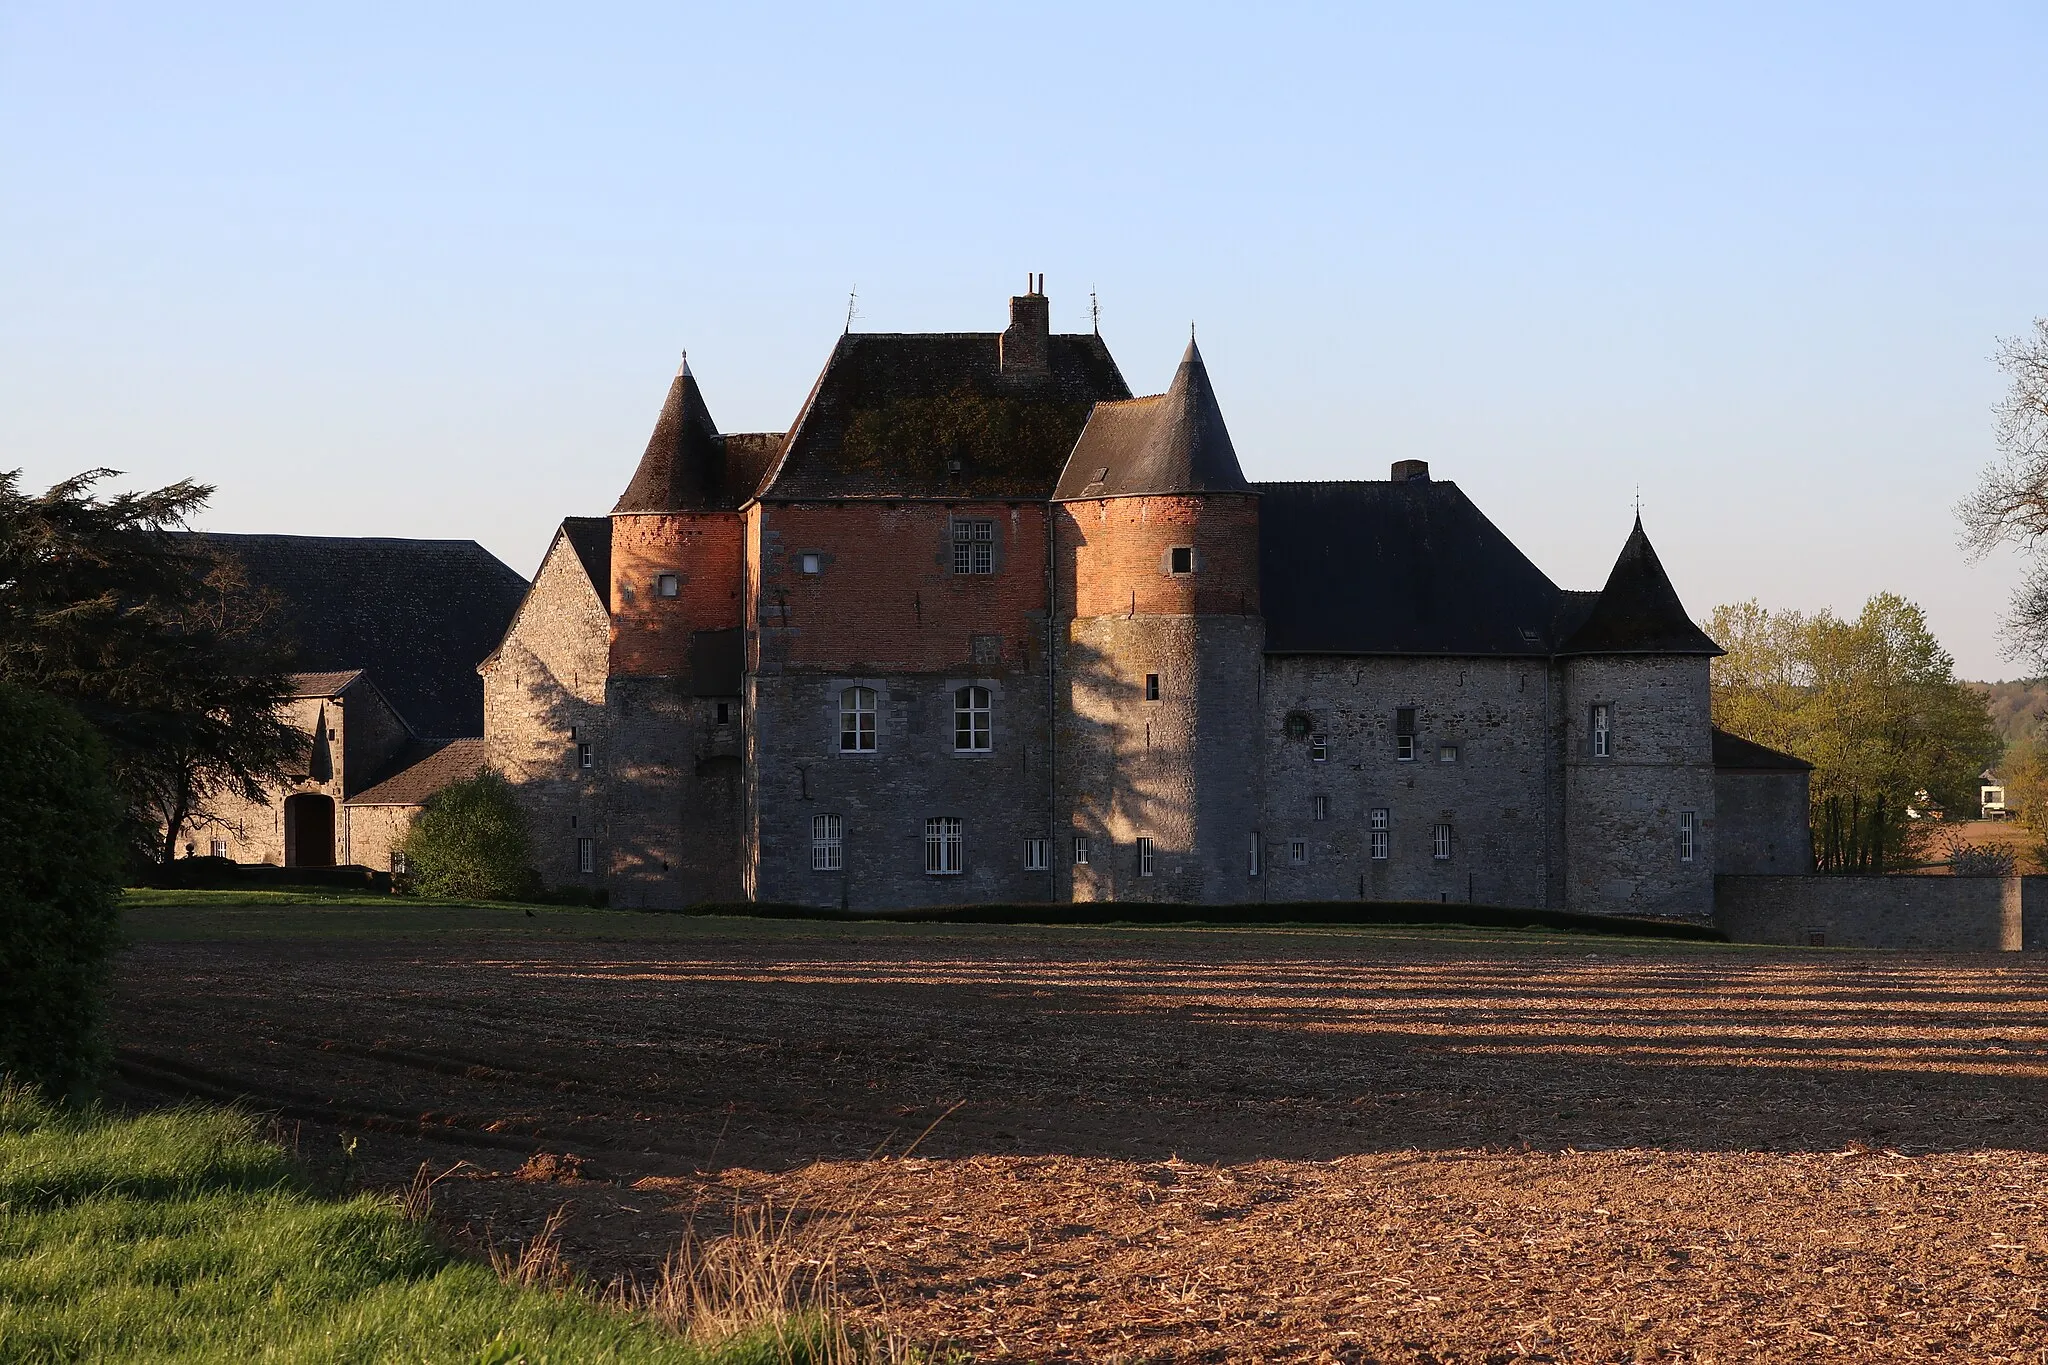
[1180,1144]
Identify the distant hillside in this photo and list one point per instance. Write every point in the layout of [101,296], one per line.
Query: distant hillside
[2017,708]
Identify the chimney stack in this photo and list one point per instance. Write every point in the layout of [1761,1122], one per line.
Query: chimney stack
[1411,471]
[1024,352]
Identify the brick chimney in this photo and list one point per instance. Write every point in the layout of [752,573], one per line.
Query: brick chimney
[1411,471]
[1024,349]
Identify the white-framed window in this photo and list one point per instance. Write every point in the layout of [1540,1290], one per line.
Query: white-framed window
[1181,559]
[972,731]
[1377,821]
[1144,855]
[1037,855]
[1319,748]
[1080,850]
[1602,731]
[1297,851]
[974,547]
[586,855]
[398,864]
[667,584]
[584,756]
[1404,748]
[857,720]
[1379,842]
[1151,687]
[1404,734]
[810,563]
[1440,847]
[945,848]
[218,848]
[1688,831]
[1320,804]
[1447,753]
[1254,858]
[828,845]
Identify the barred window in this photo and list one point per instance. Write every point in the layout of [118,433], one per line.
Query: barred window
[857,720]
[1688,823]
[1379,845]
[219,848]
[1602,732]
[1037,855]
[1441,848]
[945,853]
[1297,851]
[1321,806]
[586,855]
[827,847]
[971,728]
[1144,855]
[1080,851]
[974,547]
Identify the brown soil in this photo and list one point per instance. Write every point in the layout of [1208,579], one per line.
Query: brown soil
[1195,1145]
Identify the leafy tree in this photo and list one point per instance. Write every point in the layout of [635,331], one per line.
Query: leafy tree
[2010,506]
[60,873]
[1872,703]
[470,841]
[161,647]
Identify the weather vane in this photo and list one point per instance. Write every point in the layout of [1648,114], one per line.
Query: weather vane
[852,298]
[1094,311]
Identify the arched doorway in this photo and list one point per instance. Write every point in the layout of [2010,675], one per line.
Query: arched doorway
[309,831]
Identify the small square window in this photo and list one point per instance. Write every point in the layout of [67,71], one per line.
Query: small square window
[1183,559]
[1144,856]
[1297,851]
[1151,687]
[667,585]
[1321,806]
[1447,753]
[584,757]
[724,713]
[1080,851]
[1816,939]
[811,563]
[1037,855]
[586,855]
[1318,748]
[1440,847]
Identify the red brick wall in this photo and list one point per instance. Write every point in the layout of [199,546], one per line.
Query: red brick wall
[886,596]
[651,633]
[1113,556]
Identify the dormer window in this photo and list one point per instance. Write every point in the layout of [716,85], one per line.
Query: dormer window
[667,585]
[1181,559]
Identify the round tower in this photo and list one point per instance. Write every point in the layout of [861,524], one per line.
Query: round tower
[1159,644]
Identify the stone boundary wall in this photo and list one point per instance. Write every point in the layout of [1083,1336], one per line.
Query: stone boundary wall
[1963,914]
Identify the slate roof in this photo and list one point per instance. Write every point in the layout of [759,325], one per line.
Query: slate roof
[688,466]
[1733,753]
[1396,568]
[416,615]
[591,538]
[322,684]
[1638,611]
[421,769]
[1174,442]
[892,413]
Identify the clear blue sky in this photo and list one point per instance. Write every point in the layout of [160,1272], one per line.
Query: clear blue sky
[420,271]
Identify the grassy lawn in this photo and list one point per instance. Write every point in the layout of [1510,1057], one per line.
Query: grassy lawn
[182,1236]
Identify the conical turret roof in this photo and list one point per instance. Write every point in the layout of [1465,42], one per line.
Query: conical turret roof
[1174,442]
[684,465]
[1638,612]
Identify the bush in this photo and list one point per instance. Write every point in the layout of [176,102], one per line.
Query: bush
[471,843]
[60,879]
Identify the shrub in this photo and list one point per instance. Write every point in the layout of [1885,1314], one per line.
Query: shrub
[470,842]
[1980,860]
[60,878]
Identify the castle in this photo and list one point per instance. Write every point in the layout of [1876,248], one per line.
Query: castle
[981,626]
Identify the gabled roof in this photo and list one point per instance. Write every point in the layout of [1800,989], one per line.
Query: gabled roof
[1733,753]
[1396,568]
[1638,611]
[322,684]
[1174,442]
[591,538]
[416,615]
[688,466]
[933,415]
[421,769]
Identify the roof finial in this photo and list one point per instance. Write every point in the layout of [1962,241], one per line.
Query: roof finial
[1639,502]
[852,298]
[683,367]
[1191,330]
[1094,311]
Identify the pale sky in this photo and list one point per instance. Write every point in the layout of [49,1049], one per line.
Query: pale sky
[425,271]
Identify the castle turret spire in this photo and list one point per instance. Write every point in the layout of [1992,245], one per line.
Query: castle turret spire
[685,461]
[1174,442]
[1638,611]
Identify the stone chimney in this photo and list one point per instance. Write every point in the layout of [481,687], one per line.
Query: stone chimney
[1024,350]
[1411,471]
